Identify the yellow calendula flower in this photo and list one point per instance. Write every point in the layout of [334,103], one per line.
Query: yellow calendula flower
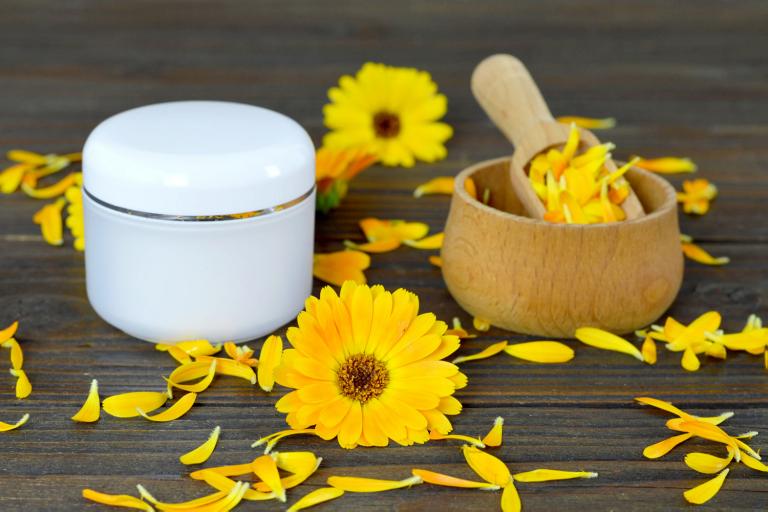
[334,169]
[696,196]
[389,111]
[367,368]
[338,267]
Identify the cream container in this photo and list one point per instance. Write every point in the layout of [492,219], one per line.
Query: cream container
[199,220]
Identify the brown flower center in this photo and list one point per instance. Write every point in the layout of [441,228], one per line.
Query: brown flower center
[386,125]
[362,377]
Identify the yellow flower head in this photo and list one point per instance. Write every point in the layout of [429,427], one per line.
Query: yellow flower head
[391,112]
[366,367]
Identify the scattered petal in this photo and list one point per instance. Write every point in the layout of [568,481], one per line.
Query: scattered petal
[338,267]
[269,360]
[439,185]
[489,351]
[430,242]
[706,491]
[117,500]
[481,324]
[649,350]
[753,463]
[547,475]
[667,165]
[541,351]
[605,340]
[5,427]
[231,368]
[51,224]
[494,436]
[174,412]
[589,123]
[437,436]
[185,506]
[192,371]
[358,484]
[379,246]
[690,360]
[23,386]
[510,499]
[8,333]
[271,440]
[709,464]
[265,467]
[488,467]
[436,261]
[91,409]
[124,405]
[696,253]
[662,448]
[204,451]
[316,497]
[431,477]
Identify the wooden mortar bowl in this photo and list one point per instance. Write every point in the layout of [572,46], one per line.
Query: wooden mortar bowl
[534,277]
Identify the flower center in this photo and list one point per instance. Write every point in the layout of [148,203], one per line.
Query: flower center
[386,125]
[362,377]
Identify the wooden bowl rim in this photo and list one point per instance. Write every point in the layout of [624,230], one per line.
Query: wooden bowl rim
[669,203]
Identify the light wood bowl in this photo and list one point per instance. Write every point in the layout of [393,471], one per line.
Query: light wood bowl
[534,277]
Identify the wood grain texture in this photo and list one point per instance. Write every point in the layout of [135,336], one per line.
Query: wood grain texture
[688,78]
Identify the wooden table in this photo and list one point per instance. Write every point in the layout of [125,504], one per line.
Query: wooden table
[682,78]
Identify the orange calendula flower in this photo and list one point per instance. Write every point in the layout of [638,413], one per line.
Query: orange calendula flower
[696,253]
[541,351]
[589,123]
[338,267]
[117,500]
[174,412]
[605,340]
[667,165]
[316,497]
[91,409]
[125,405]
[5,427]
[203,452]
[489,351]
[359,484]
[391,112]
[269,360]
[431,477]
[334,169]
[49,219]
[367,368]
[696,196]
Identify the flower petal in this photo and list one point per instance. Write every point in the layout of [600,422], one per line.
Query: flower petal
[358,484]
[9,332]
[648,350]
[91,409]
[494,436]
[431,242]
[316,497]
[510,499]
[709,464]
[605,340]
[667,165]
[548,475]
[5,427]
[265,467]
[185,506]
[379,246]
[661,448]
[590,123]
[23,386]
[338,267]
[488,467]
[696,253]
[541,351]
[192,371]
[204,451]
[117,500]
[753,463]
[438,185]
[230,368]
[431,477]
[269,360]
[489,351]
[174,412]
[124,405]
[706,491]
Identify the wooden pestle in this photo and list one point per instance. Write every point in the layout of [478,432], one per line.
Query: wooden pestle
[506,91]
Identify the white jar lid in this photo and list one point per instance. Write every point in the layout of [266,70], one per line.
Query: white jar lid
[198,158]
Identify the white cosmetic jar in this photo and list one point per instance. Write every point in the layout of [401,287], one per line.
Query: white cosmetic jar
[199,220]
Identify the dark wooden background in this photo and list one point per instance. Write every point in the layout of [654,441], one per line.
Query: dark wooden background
[683,78]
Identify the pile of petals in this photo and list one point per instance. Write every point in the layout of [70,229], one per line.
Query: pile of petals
[688,426]
[198,365]
[367,368]
[334,169]
[265,478]
[701,336]
[390,112]
[26,174]
[7,340]
[578,188]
